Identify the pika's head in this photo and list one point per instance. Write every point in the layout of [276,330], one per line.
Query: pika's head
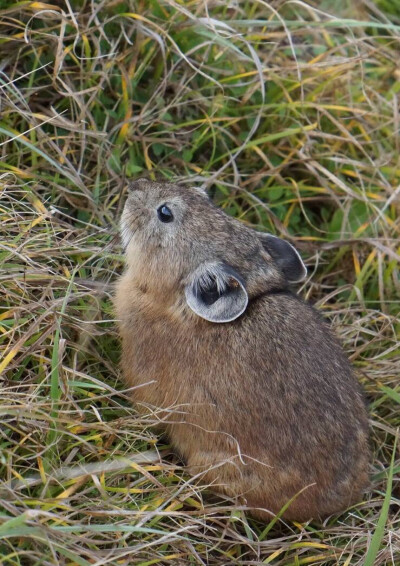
[183,250]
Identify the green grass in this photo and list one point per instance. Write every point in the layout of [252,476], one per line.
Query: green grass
[288,114]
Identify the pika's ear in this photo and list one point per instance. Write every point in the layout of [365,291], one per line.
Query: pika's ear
[286,257]
[216,292]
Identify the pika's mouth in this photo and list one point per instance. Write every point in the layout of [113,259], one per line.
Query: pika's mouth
[129,225]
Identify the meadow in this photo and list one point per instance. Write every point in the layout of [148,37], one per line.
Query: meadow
[288,113]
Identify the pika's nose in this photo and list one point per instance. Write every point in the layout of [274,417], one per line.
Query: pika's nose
[140,184]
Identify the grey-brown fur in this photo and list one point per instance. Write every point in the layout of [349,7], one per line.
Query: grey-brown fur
[265,405]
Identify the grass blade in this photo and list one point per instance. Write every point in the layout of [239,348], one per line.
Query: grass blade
[380,527]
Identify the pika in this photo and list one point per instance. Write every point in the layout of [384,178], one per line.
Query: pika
[246,379]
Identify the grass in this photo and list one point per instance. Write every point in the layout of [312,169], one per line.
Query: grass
[288,114]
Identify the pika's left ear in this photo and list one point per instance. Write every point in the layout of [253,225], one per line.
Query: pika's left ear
[286,257]
[216,292]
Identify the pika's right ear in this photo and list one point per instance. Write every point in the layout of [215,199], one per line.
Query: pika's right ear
[216,292]
[286,256]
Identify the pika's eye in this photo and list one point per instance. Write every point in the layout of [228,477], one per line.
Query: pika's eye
[164,213]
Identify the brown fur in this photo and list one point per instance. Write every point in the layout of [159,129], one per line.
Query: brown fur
[265,407]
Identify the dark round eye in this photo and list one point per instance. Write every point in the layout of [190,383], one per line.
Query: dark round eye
[164,213]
